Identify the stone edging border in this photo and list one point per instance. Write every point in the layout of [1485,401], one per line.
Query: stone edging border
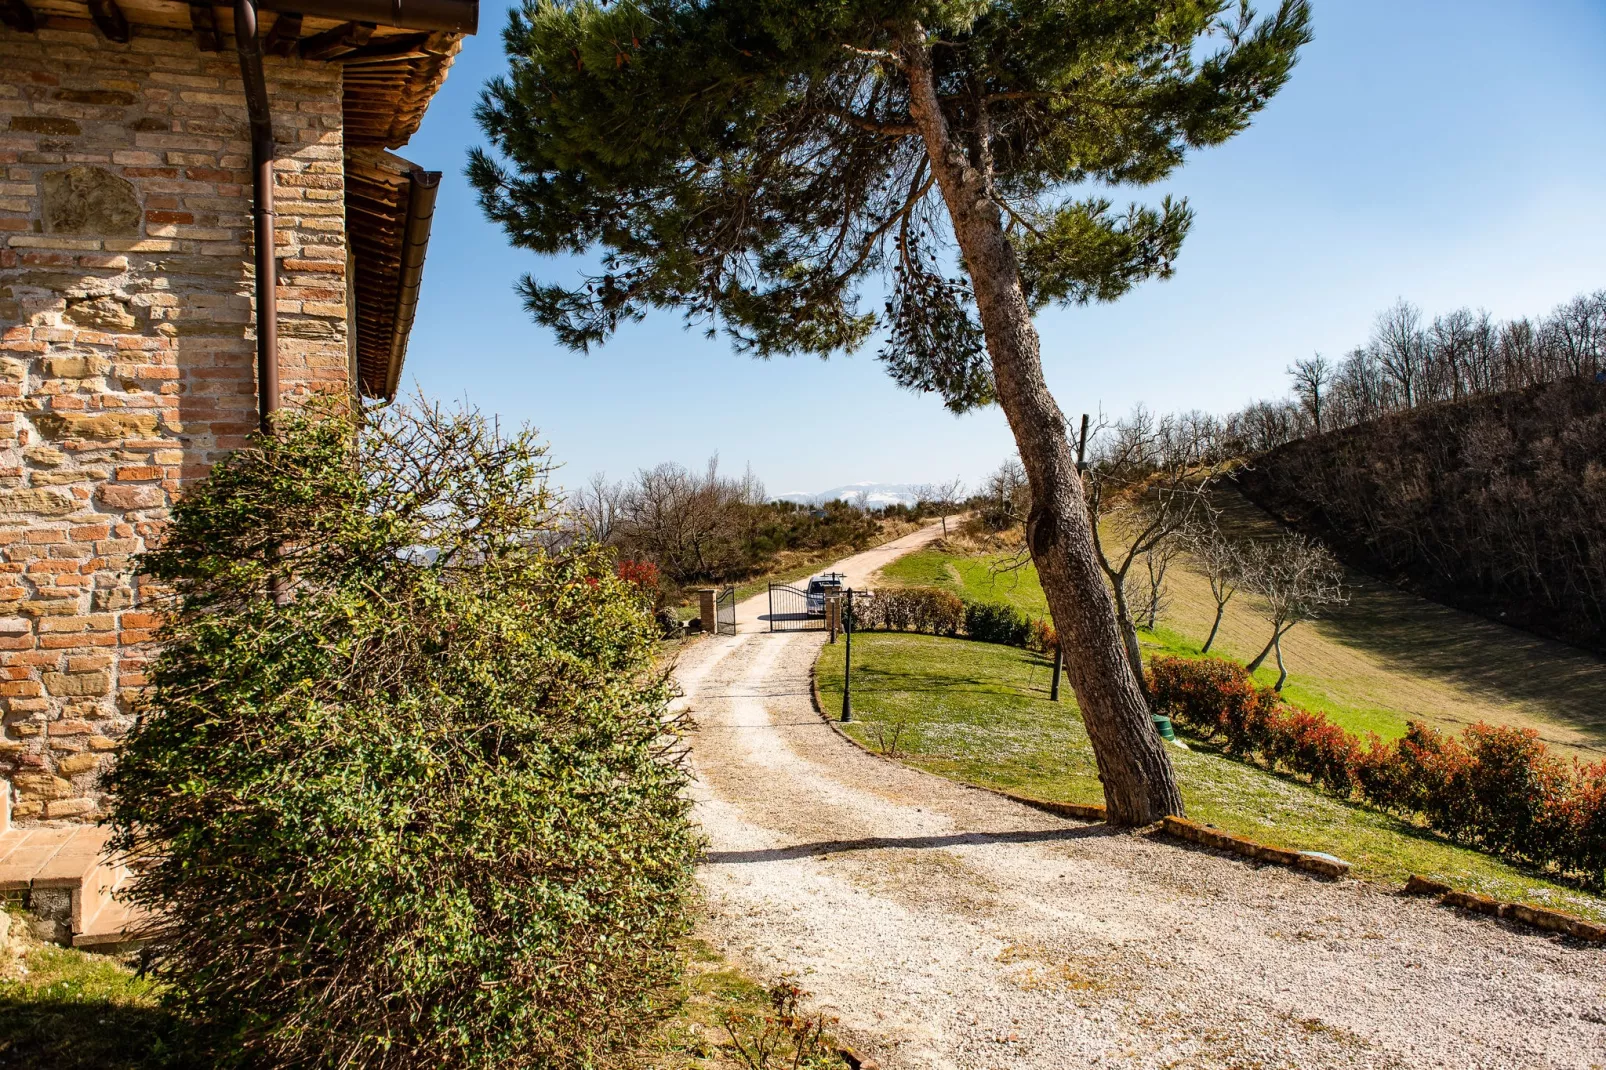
[1206,836]
[1537,917]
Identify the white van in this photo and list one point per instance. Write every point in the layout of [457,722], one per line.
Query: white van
[815,591]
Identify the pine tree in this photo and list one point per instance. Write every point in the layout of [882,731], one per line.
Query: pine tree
[753,163]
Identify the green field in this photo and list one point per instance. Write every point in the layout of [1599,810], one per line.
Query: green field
[1386,658]
[980,714]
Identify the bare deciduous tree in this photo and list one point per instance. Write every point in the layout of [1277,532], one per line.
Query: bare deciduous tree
[1401,347]
[945,496]
[1152,596]
[1008,496]
[1295,578]
[1221,559]
[1311,378]
[685,521]
[1146,488]
[596,509]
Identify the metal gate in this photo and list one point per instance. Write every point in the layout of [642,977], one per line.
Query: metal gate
[725,612]
[790,610]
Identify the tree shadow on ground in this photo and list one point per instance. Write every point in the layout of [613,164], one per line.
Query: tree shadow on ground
[42,1031]
[882,843]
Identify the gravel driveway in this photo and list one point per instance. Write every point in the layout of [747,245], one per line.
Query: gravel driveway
[946,927]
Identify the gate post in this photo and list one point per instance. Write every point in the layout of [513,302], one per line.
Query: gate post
[706,608]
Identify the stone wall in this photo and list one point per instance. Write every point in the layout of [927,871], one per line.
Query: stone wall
[127,352]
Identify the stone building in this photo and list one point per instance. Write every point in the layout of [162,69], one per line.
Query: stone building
[144,147]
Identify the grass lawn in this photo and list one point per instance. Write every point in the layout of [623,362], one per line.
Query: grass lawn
[1384,659]
[70,1010]
[979,713]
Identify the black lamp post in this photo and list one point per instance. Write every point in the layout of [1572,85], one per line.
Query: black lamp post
[847,658]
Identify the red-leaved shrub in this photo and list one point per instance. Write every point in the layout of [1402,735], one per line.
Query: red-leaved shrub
[1044,639]
[1495,786]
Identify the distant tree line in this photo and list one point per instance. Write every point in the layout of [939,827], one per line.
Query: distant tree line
[1463,457]
[1410,362]
[708,527]
[1496,504]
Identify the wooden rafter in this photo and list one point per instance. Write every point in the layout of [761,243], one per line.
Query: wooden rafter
[203,20]
[110,20]
[396,46]
[281,40]
[18,15]
[341,39]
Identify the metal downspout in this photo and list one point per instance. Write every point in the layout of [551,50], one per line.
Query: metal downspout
[249,46]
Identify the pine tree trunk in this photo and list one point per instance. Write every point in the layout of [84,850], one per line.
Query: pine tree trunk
[1139,784]
[1221,609]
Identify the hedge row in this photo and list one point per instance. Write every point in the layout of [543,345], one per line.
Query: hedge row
[934,611]
[1495,787]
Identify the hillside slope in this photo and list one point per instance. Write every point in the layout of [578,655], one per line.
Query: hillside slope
[1388,657]
[1495,504]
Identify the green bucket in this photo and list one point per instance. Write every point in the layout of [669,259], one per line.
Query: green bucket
[1162,725]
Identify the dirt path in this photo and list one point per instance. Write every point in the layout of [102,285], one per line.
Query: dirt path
[946,927]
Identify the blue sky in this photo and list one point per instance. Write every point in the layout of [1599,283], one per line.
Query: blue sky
[1451,152]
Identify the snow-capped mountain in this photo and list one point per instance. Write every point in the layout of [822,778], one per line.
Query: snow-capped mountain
[876,495]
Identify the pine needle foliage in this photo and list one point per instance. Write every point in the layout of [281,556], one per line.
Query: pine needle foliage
[756,163]
[405,785]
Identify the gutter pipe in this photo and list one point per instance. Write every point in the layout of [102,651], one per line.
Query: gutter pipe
[441,16]
[249,47]
[422,188]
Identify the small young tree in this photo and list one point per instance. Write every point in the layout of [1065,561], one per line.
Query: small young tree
[1154,595]
[405,791]
[1296,578]
[946,496]
[1006,496]
[756,163]
[1147,488]
[1221,559]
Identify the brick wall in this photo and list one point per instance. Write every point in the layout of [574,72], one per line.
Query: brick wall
[127,353]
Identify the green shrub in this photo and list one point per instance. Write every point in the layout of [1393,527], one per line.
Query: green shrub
[934,611]
[402,781]
[992,622]
[1495,787]
[927,610]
